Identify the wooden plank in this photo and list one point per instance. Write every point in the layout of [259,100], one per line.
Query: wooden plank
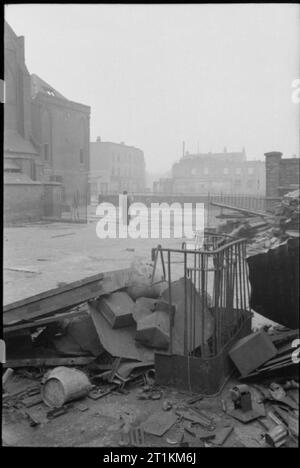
[44,321]
[65,296]
[239,216]
[270,362]
[241,210]
[49,362]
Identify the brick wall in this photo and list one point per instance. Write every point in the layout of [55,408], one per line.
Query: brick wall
[289,171]
[26,202]
[280,172]
[22,202]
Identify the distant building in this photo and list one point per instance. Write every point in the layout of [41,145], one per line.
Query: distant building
[115,167]
[46,140]
[163,185]
[225,172]
[282,175]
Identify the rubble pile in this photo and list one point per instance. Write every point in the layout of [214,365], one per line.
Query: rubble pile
[278,226]
[76,357]
[283,225]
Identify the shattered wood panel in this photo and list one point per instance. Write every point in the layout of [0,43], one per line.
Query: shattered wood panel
[66,296]
[274,280]
[119,342]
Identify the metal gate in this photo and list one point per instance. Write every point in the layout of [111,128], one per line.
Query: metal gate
[216,288]
[212,312]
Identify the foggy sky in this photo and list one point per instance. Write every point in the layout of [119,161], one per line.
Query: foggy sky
[155,75]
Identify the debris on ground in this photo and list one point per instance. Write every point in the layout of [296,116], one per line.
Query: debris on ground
[159,423]
[243,408]
[277,226]
[79,356]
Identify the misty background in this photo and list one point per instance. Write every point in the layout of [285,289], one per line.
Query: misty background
[155,75]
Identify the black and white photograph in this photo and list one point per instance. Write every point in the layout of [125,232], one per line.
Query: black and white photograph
[150,228]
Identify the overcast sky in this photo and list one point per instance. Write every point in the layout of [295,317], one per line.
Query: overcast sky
[155,75]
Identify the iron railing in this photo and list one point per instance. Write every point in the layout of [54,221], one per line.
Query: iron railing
[216,293]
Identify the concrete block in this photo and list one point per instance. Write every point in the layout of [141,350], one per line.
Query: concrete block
[117,308]
[153,330]
[252,351]
[143,307]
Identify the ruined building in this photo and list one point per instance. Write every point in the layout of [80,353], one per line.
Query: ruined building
[46,141]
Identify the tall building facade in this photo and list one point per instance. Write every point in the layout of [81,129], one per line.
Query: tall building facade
[60,131]
[115,167]
[46,136]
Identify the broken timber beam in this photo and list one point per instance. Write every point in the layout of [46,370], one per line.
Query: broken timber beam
[44,321]
[64,297]
[49,362]
[241,210]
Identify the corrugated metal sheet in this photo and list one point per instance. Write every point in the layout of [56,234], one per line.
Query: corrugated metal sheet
[274,279]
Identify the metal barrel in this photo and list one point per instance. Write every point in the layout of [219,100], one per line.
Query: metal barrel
[64,384]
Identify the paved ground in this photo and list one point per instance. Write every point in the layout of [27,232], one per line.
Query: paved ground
[38,257]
